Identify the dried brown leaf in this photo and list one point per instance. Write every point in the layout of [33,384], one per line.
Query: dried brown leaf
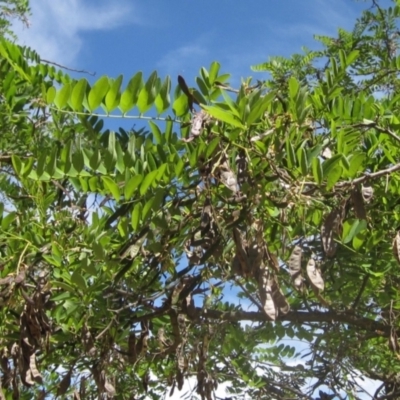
[294,264]
[314,275]
[396,246]
[367,193]
[34,371]
[228,177]
[109,388]
[393,342]
[197,123]
[77,396]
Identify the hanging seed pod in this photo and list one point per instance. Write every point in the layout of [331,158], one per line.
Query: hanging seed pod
[63,386]
[330,227]
[358,204]
[255,256]
[241,253]
[294,265]
[314,274]
[396,246]
[265,291]
[132,355]
[206,216]
[279,298]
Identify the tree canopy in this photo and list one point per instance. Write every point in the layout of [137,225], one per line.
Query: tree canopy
[245,235]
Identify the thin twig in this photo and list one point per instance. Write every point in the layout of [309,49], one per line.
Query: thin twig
[81,71]
[176,121]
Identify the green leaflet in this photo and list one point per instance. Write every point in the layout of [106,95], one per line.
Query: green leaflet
[136,216]
[78,94]
[317,170]
[213,73]
[156,132]
[223,116]
[163,100]
[147,181]
[111,187]
[132,185]
[98,92]
[181,105]
[130,95]
[63,96]
[147,94]
[113,95]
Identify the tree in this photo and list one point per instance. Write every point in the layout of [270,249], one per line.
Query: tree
[204,244]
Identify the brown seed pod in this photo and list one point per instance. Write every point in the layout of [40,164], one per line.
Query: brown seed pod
[314,274]
[294,265]
[358,204]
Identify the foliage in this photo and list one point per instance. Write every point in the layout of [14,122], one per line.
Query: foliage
[12,9]
[239,223]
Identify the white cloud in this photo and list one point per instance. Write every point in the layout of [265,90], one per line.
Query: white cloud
[56,27]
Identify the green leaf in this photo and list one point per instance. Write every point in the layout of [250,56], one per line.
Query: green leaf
[223,116]
[352,57]
[132,185]
[293,87]
[147,94]
[136,216]
[147,208]
[214,69]
[156,133]
[97,92]
[258,109]
[113,96]
[51,94]
[147,181]
[317,170]
[111,186]
[130,95]
[78,160]
[17,164]
[8,219]
[333,176]
[163,100]
[302,154]
[62,96]
[291,156]
[351,229]
[78,94]
[181,105]
[78,280]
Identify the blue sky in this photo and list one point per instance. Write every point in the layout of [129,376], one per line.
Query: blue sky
[177,37]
